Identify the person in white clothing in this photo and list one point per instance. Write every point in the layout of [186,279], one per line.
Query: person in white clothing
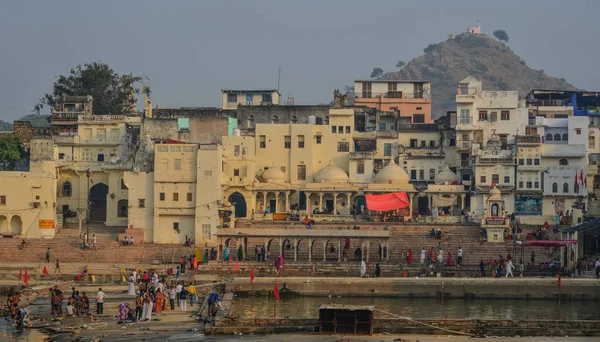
[178,289]
[459,254]
[363,268]
[134,275]
[131,286]
[423,255]
[521,269]
[155,279]
[509,268]
[94,242]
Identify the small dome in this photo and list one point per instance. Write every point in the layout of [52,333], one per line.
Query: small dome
[331,174]
[273,175]
[392,174]
[495,194]
[446,176]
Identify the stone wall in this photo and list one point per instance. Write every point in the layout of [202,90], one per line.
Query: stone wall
[284,114]
[201,129]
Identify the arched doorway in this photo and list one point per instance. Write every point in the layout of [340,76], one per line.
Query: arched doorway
[3,224]
[240,204]
[361,204]
[122,208]
[16,225]
[98,202]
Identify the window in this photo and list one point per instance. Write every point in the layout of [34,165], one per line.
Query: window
[423,143]
[340,129]
[413,142]
[482,179]
[300,141]
[161,196]
[287,141]
[61,156]
[382,126]
[343,146]
[360,167]
[565,137]
[496,178]
[232,98]
[282,169]
[521,161]
[465,116]
[529,185]
[236,172]
[142,203]
[505,115]
[66,189]
[418,118]
[578,131]
[326,120]
[318,139]
[175,196]
[301,172]
[413,174]
[431,174]
[262,141]
[537,185]
[294,119]
[2,200]
[419,108]
[101,133]
[333,130]
[207,173]
[554,187]
[566,188]
[483,115]
[275,119]
[494,116]
[347,129]
[591,142]
[421,174]
[432,144]
[529,161]
[122,208]
[506,179]
[387,150]
[548,137]
[177,164]
[206,230]
[563,162]
[123,186]
[251,121]
[100,156]
[556,137]
[536,161]
[267,98]
[521,184]
[236,150]
[189,196]
[176,226]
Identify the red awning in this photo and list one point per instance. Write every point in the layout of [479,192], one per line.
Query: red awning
[173,141]
[385,202]
[548,243]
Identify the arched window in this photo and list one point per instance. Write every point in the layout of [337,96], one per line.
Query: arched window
[563,162]
[66,189]
[294,119]
[251,121]
[548,137]
[556,137]
[122,208]
[565,137]
[327,120]
[554,187]
[566,188]
[275,119]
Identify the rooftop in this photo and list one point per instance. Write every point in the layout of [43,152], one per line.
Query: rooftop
[393,81]
[238,90]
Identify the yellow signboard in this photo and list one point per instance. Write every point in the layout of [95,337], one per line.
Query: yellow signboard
[280,217]
[46,224]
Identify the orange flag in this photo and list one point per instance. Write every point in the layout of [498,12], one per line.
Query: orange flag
[236,267]
[26,278]
[276,291]
[251,274]
[45,271]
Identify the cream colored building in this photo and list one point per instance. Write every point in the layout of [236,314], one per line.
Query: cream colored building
[231,98]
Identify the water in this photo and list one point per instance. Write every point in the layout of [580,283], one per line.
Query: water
[509,309]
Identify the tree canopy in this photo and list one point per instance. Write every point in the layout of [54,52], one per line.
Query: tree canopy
[112,92]
[400,64]
[501,35]
[377,72]
[10,151]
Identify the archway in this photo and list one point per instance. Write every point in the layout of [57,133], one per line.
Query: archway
[122,206]
[16,225]
[240,204]
[3,224]
[98,202]
[360,205]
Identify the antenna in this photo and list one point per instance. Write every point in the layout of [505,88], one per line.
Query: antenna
[278,78]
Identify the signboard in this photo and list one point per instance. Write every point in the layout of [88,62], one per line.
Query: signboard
[280,216]
[530,206]
[495,221]
[46,224]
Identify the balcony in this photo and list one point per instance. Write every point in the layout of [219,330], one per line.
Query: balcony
[364,135]
[387,134]
[528,140]
[563,151]
[465,164]
[65,117]
[362,155]
[392,95]
[423,152]
[466,95]
[463,145]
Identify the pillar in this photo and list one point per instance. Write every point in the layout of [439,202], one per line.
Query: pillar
[243,247]
[429,199]
[309,249]
[339,250]
[280,246]
[264,200]
[295,250]
[462,202]
[276,202]
[348,202]
[219,247]
[324,250]
[411,204]
[335,196]
[307,195]
[287,201]
[387,254]
[367,242]
[320,200]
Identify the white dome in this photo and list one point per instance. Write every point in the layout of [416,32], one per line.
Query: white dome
[273,175]
[446,176]
[392,174]
[331,174]
[495,194]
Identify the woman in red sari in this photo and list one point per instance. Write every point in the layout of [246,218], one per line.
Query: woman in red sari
[159,301]
[409,257]
[449,260]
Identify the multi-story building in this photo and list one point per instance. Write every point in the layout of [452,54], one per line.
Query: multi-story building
[408,98]
[232,98]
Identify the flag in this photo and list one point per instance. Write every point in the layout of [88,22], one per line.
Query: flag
[236,267]
[26,278]
[20,274]
[45,271]
[251,275]
[559,282]
[581,176]
[493,185]
[276,291]
[576,179]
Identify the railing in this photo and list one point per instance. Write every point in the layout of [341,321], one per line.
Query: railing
[65,116]
[466,91]
[422,151]
[387,134]
[463,145]
[361,155]
[392,95]
[465,163]
[102,118]
[528,139]
[549,103]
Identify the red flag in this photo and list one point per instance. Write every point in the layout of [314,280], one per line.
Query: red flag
[559,282]
[581,176]
[276,291]
[251,275]
[576,178]
[26,278]
[493,185]
[20,274]
[236,267]
[45,271]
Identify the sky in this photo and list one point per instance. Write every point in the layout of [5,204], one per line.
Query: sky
[190,50]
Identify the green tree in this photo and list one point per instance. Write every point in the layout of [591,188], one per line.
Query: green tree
[501,35]
[113,93]
[146,90]
[10,151]
[377,72]
[400,64]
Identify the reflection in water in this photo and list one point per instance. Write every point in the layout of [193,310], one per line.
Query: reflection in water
[509,309]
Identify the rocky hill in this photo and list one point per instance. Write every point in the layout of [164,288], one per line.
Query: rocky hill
[34,119]
[447,63]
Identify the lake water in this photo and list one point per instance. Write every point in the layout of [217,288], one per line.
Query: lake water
[510,309]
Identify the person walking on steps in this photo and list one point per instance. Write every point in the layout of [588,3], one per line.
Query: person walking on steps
[57,268]
[48,255]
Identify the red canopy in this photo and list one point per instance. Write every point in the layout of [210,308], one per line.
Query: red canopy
[396,200]
[548,243]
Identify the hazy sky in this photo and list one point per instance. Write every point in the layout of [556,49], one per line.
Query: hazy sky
[192,49]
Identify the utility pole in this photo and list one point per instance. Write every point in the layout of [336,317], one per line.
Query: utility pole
[87,221]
